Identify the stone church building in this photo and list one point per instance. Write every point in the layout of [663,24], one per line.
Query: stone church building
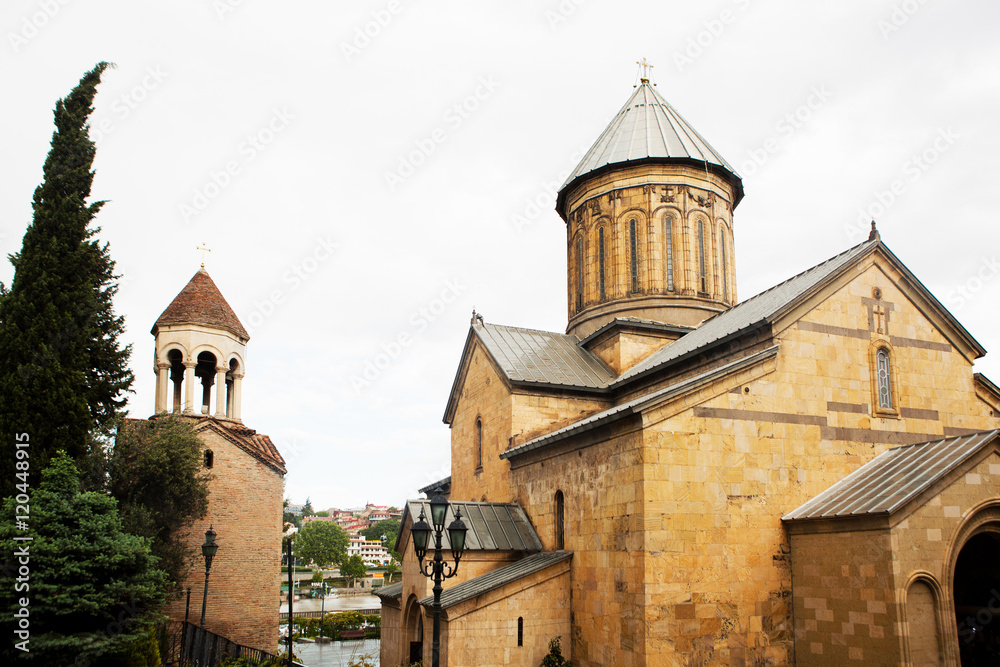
[200,361]
[810,476]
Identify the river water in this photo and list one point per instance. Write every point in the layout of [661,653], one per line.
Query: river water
[336,654]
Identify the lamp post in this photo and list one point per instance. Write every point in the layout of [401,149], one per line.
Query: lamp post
[322,607]
[208,550]
[437,569]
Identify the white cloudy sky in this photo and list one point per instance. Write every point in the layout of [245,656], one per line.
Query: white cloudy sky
[822,107]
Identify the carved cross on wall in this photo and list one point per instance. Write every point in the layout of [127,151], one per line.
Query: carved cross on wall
[880,312]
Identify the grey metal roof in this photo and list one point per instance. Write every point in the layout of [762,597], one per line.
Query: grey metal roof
[497,578]
[543,357]
[755,310]
[492,526]
[444,484]
[393,592]
[648,127]
[637,323]
[636,405]
[890,480]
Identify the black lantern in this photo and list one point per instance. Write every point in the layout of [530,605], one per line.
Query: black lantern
[208,550]
[437,569]
[421,532]
[456,536]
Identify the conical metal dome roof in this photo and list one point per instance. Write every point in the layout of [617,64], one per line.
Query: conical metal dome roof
[201,302]
[648,129]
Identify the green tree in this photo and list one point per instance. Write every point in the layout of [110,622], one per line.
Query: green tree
[91,587]
[307,509]
[63,372]
[387,527]
[322,513]
[322,542]
[157,474]
[554,658]
[354,569]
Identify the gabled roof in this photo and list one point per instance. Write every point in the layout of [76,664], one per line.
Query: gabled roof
[889,481]
[256,444]
[761,309]
[507,574]
[443,484]
[201,302]
[492,526]
[534,358]
[639,404]
[392,592]
[648,129]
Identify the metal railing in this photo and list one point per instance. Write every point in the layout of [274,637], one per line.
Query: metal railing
[203,648]
[283,615]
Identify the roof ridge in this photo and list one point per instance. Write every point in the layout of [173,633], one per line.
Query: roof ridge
[511,326]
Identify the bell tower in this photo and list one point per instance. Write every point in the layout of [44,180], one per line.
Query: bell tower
[649,222]
[200,352]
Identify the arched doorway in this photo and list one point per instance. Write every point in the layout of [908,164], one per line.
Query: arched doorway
[414,631]
[977,600]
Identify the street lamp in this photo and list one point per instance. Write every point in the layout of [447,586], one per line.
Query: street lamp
[437,569]
[208,550]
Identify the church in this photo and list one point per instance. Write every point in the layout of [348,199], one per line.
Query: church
[810,476]
[200,361]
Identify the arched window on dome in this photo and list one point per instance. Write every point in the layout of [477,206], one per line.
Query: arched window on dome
[725,268]
[702,274]
[579,273]
[669,237]
[633,255]
[600,262]
[479,444]
[560,521]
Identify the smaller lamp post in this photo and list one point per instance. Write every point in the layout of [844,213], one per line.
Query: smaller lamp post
[322,607]
[437,569]
[208,550]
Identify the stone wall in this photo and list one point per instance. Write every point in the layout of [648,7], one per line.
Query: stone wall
[244,508]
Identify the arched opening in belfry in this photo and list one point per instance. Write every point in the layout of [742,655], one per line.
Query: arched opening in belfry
[977,600]
[234,368]
[205,369]
[176,360]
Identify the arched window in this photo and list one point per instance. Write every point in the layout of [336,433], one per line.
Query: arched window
[209,458]
[520,631]
[479,443]
[600,260]
[633,257]
[883,379]
[702,275]
[579,273]
[725,269]
[670,253]
[560,521]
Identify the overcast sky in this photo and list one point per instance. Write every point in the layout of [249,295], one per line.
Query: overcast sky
[372,170]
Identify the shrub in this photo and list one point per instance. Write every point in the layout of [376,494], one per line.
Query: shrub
[555,657]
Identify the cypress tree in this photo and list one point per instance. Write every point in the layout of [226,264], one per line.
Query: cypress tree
[63,373]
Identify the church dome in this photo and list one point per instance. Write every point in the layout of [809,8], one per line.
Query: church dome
[649,226]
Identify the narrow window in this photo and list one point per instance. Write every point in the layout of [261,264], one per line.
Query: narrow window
[479,443]
[560,522]
[579,273]
[725,270]
[701,257]
[635,260]
[209,458]
[884,379]
[520,631]
[670,254]
[600,259]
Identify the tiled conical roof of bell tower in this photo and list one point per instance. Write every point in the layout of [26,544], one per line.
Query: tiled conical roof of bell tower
[201,302]
[649,129]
